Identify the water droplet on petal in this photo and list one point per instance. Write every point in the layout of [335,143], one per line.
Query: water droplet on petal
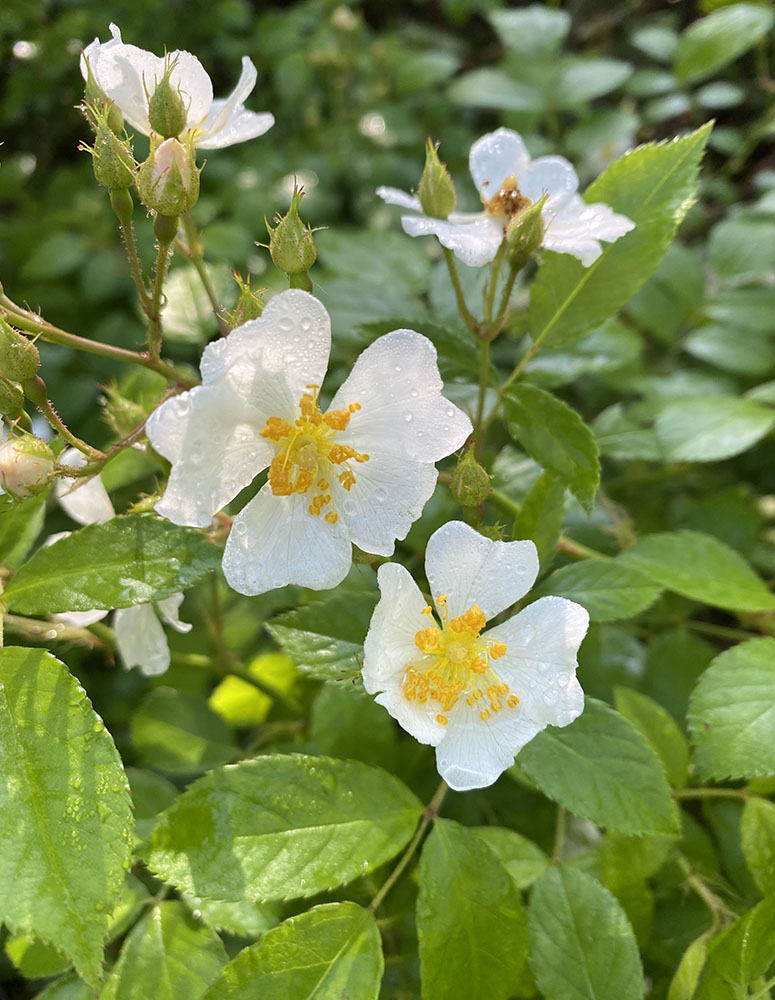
[527,633]
[408,417]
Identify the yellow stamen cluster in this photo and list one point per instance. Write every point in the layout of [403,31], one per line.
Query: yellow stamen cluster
[508,199]
[308,455]
[456,664]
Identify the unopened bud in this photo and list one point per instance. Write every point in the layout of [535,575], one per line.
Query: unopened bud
[96,102]
[11,399]
[436,190]
[291,244]
[168,181]
[250,304]
[26,466]
[122,204]
[167,111]
[122,414]
[112,157]
[470,482]
[525,234]
[19,357]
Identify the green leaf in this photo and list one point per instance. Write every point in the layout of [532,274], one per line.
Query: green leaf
[556,437]
[757,833]
[492,88]
[20,525]
[627,861]
[620,436]
[718,39]
[522,858]
[659,728]
[684,983]
[151,794]
[601,768]
[711,428]
[582,945]
[65,807]
[245,918]
[346,722]
[585,79]
[741,351]
[732,713]
[325,638]
[243,704]
[741,954]
[69,987]
[654,186]
[282,827]
[130,560]
[606,588]
[702,568]
[168,956]
[178,733]
[33,958]
[471,925]
[533,31]
[742,246]
[541,515]
[331,952]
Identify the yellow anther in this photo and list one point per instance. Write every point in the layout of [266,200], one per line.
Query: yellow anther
[484,714]
[428,640]
[275,429]
[332,517]
[441,600]
[470,699]
[337,419]
[353,407]
[471,621]
[496,704]
[427,610]
[442,720]
[479,694]
[512,701]
[479,665]
[497,649]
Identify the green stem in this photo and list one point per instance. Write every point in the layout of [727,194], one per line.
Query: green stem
[484,372]
[764,992]
[560,827]
[135,267]
[500,319]
[571,548]
[196,251]
[491,288]
[428,816]
[462,306]
[155,332]
[33,630]
[710,793]
[719,911]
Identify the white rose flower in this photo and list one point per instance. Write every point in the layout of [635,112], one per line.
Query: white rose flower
[140,639]
[128,75]
[477,696]
[359,473]
[509,181]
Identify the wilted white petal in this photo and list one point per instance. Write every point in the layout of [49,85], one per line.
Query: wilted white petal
[80,619]
[495,157]
[472,569]
[85,499]
[475,243]
[140,640]
[395,196]
[241,126]
[168,609]
[275,541]
[397,383]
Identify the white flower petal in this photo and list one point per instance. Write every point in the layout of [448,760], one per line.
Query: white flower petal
[472,569]
[475,243]
[495,157]
[551,174]
[213,438]
[577,228]
[397,383]
[221,110]
[168,609]
[85,500]
[474,753]
[275,541]
[394,196]
[540,662]
[192,80]
[121,72]
[387,498]
[80,619]
[241,126]
[140,640]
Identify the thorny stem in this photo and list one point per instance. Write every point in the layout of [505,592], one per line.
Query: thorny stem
[196,254]
[462,306]
[135,267]
[719,911]
[428,816]
[55,421]
[155,332]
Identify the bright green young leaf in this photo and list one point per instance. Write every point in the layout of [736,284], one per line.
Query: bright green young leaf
[601,768]
[607,589]
[541,515]
[522,858]
[331,952]
[718,39]
[660,729]
[33,958]
[471,924]
[556,437]
[243,704]
[178,733]
[130,560]
[741,954]
[711,428]
[168,956]
[732,713]
[325,638]
[654,186]
[282,827]
[702,568]
[684,983]
[20,525]
[581,943]
[757,833]
[65,815]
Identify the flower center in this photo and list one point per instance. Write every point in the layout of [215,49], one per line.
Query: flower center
[508,199]
[308,456]
[457,664]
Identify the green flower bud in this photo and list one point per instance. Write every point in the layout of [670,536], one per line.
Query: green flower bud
[470,482]
[122,204]
[250,304]
[112,157]
[291,245]
[436,190]
[168,181]
[167,111]
[525,234]
[122,415]
[26,466]
[11,399]
[19,357]
[97,102]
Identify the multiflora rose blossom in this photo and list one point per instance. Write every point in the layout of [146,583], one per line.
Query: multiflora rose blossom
[478,695]
[129,75]
[359,473]
[508,181]
[140,638]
